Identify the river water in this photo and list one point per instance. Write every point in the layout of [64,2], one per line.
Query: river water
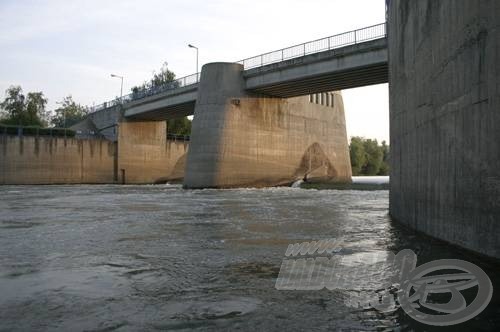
[129,258]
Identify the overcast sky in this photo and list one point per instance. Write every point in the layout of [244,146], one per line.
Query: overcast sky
[64,47]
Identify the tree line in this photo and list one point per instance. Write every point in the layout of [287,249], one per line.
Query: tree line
[30,109]
[368,157]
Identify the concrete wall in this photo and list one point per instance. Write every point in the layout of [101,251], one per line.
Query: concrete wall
[444,59]
[243,140]
[145,154]
[45,160]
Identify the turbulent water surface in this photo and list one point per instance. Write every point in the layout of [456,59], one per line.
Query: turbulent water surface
[105,258]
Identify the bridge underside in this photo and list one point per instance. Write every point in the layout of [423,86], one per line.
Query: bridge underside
[168,105]
[165,113]
[333,70]
[335,81]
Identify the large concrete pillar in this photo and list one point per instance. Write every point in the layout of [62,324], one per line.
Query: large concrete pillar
[241,140]
[444,59]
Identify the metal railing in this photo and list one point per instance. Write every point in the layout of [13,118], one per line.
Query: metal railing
[175,137]
[143,93]
[18,130]
[324,44]
[320,45]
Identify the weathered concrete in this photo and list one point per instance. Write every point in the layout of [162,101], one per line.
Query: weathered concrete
[444,59]
[146,156]
[239,139]
[45,160]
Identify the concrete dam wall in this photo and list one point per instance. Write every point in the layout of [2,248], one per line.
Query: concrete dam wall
[242,140]
[142,155]
[444,59]
[46,160]
[146,156]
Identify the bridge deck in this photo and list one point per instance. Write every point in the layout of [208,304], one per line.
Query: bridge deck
[352,59]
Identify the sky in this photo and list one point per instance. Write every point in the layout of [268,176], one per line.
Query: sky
[63,47]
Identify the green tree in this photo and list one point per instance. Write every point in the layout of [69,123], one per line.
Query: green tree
[161,78]
[69,113]
[384,167]
[368,157]
[24,110]
[374,156]
[179,126]
[165,77]
[358,155]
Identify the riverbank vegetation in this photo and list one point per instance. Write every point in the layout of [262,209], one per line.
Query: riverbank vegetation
[368,157]
[19,109]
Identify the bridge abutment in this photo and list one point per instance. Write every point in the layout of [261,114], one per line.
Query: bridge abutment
[240,139]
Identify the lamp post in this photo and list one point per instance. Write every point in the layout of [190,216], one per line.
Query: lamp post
[121,86]
[192,46]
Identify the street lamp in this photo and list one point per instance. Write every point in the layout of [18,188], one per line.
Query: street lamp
[121,87]
[192,46]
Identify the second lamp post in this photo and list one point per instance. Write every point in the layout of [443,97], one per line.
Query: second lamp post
[192,46]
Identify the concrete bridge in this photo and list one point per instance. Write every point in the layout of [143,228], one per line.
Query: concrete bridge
[268,120]
[349,60]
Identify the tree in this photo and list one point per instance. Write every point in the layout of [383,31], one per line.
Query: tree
[358,155]
[23,110]
[69,113]
[368,157]
[164,77]
[179,126]
[384,168]
[374,157]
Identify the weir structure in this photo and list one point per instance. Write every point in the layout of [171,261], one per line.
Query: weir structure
[273,118]
[268,120]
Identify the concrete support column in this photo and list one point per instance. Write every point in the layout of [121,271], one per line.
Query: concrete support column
[244,140]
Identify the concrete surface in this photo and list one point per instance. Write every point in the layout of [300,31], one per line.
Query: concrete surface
[240,140]
[444,59]
[45,160]
[164,106]
[146,156]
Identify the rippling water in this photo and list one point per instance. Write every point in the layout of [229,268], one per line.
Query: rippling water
[158,257]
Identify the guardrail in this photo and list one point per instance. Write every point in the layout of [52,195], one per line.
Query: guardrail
[140,94]
[324,44]
[174,137]
[319,45]
[35,131]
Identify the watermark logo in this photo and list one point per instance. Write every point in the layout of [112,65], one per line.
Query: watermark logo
[429,293]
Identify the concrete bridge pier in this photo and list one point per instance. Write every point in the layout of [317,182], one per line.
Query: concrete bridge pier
[240,139]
